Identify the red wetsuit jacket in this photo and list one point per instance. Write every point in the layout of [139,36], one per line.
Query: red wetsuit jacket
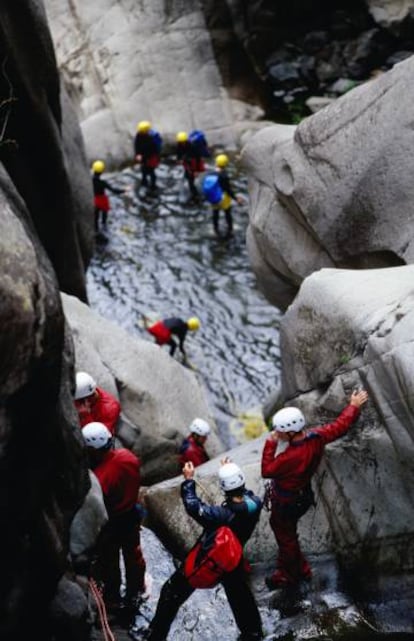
[120,479]
[105,409]
[292,470]
[193,162]
[161,333]
[192,451]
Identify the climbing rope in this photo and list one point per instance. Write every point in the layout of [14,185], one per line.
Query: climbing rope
[100,604]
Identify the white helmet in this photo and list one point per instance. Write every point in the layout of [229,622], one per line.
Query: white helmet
[85,385]
[97,435]
[231,477]
[289,419]
[200,426]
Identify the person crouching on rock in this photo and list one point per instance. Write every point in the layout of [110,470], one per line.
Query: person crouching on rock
[290,457]
[192,448]
[118,472]
[239,514]
[94,403]
[164,330]
[101,200]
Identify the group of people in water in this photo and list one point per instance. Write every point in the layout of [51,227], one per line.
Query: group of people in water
[290,457]
[191,151]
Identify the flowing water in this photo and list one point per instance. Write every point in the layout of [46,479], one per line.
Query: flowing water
[162,259]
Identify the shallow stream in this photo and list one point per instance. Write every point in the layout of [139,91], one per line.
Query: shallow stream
[162,259]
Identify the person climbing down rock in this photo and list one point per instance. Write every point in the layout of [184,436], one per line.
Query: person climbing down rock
[101,200]
[164,330]
[232,523]
[191,150]
[147,146]
[95,404]
[290,457]
[192,448]
[219,193]
[118,472]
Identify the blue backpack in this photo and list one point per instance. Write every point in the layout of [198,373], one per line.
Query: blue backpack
[156,136]
[198,139]
[211,189]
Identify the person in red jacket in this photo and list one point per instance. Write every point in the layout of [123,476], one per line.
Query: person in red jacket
[94,404]
[118,472]
[290,457]
[192,448]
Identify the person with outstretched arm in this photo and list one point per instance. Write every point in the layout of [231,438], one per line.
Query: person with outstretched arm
[290,458]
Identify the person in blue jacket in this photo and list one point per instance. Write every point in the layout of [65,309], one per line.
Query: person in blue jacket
[240,512]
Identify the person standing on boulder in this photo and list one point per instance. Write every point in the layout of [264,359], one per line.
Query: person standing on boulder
[192,448]
[165,330]
[101,200]
[95,404]
[118,472]
[240,513]
[147,146]
[290,457]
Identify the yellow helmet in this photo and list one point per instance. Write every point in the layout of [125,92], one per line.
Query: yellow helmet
[193,323]
[222,160]
[98,166]
[144,126]
[182,136]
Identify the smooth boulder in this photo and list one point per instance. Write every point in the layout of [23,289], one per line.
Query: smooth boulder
[153,61]
[159,397]
[337,190]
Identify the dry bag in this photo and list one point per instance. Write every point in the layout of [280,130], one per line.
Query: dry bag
[215,554]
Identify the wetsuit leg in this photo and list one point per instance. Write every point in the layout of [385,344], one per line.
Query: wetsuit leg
[153,177]
[144,174]
[173,346]
[190,179]
[290,559]
[173,594]
[96,213]
[132,554]
[216,213]
[229,221]
[104,218]
[106,567]
[243,605]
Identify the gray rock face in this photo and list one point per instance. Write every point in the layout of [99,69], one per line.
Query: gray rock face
[41,146]
[335,191]
[387,12]
[43,466]
[125,62]
[344,330]
[159,397]
[87,523]
[348,329]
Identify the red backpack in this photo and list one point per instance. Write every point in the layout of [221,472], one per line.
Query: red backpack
[211,557]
